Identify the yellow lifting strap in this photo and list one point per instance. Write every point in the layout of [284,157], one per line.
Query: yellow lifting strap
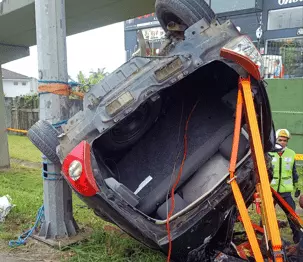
[16,130]
[245,100]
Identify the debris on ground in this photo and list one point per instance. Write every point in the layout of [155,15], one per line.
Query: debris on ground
[5,206]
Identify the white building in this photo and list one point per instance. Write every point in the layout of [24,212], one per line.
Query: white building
[15,84]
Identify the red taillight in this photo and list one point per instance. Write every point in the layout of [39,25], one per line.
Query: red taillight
[77,169]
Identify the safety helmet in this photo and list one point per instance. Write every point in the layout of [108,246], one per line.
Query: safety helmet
[283,133]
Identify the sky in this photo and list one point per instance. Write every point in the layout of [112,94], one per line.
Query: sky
[88,51]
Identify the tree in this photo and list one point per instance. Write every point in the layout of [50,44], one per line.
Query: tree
[290,56]
[94,78]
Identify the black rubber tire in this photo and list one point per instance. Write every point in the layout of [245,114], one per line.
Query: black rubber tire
[45,137]
[108,142]
[188,12]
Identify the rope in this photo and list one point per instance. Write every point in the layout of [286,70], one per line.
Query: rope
[23,237]
[40,215]
[45,173]
[58,88]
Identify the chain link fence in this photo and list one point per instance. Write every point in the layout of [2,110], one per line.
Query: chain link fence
[284,58]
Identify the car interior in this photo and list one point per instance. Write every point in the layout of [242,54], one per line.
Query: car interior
[194,117]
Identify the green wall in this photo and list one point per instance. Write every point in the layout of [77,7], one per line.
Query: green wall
[286,99]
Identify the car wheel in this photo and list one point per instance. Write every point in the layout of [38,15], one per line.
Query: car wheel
[132,128]
[45,137]
[184,12]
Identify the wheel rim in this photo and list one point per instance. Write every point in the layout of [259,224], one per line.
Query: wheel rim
[170,17]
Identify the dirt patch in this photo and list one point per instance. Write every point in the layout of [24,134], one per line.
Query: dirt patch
[32,251]
[25,163]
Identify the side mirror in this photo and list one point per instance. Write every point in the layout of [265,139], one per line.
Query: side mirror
[278,148]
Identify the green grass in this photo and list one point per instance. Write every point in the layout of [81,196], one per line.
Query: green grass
[20,147]
[24,186]
[113,247]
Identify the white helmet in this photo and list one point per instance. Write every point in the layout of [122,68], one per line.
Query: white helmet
[283,133]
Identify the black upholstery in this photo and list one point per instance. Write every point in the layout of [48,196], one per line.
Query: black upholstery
[179,205]
[226,147]
[156,197]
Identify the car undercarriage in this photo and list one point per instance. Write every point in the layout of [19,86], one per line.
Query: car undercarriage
[151,151]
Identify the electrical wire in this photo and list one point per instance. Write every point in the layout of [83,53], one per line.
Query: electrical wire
[176,159]
[176,184]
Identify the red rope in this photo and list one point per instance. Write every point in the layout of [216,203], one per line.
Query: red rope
[176,184]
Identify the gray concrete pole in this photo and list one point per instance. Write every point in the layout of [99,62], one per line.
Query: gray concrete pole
[4,155]
[52,64]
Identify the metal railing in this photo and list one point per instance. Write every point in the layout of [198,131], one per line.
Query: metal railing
[284,58]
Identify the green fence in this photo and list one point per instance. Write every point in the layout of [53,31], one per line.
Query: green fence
[286,99]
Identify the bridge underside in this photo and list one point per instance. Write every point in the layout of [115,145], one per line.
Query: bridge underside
[17,20]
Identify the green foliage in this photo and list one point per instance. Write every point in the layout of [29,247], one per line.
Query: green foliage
[28,101]
[289,54]
[93,79]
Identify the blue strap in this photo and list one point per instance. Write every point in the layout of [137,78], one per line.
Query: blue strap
[23,238]
[45,172]
[52,82]
[70,83]
[60,123]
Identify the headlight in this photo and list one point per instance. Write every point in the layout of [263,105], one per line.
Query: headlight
[242,51]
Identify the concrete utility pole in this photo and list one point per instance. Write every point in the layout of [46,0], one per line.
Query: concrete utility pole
[52,64]
[4,156]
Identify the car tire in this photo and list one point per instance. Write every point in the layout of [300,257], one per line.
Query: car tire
[110,141]
[45,137]
[188,12]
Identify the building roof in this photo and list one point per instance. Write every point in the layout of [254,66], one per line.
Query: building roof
[7,74]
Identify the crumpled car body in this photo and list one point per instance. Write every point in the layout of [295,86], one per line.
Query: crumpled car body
[123,152]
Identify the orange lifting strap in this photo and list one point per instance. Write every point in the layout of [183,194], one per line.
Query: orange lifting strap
[245,100]
[59,89]
[291,214]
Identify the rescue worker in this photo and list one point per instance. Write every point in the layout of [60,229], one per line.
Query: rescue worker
[285,176]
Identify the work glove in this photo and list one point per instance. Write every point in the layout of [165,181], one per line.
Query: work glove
[297,193]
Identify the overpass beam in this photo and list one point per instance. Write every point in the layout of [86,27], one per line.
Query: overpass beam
[52,63]
[10,53]
[4,155]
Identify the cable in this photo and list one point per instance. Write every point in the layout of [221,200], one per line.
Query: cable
[176,159]
[176,184]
